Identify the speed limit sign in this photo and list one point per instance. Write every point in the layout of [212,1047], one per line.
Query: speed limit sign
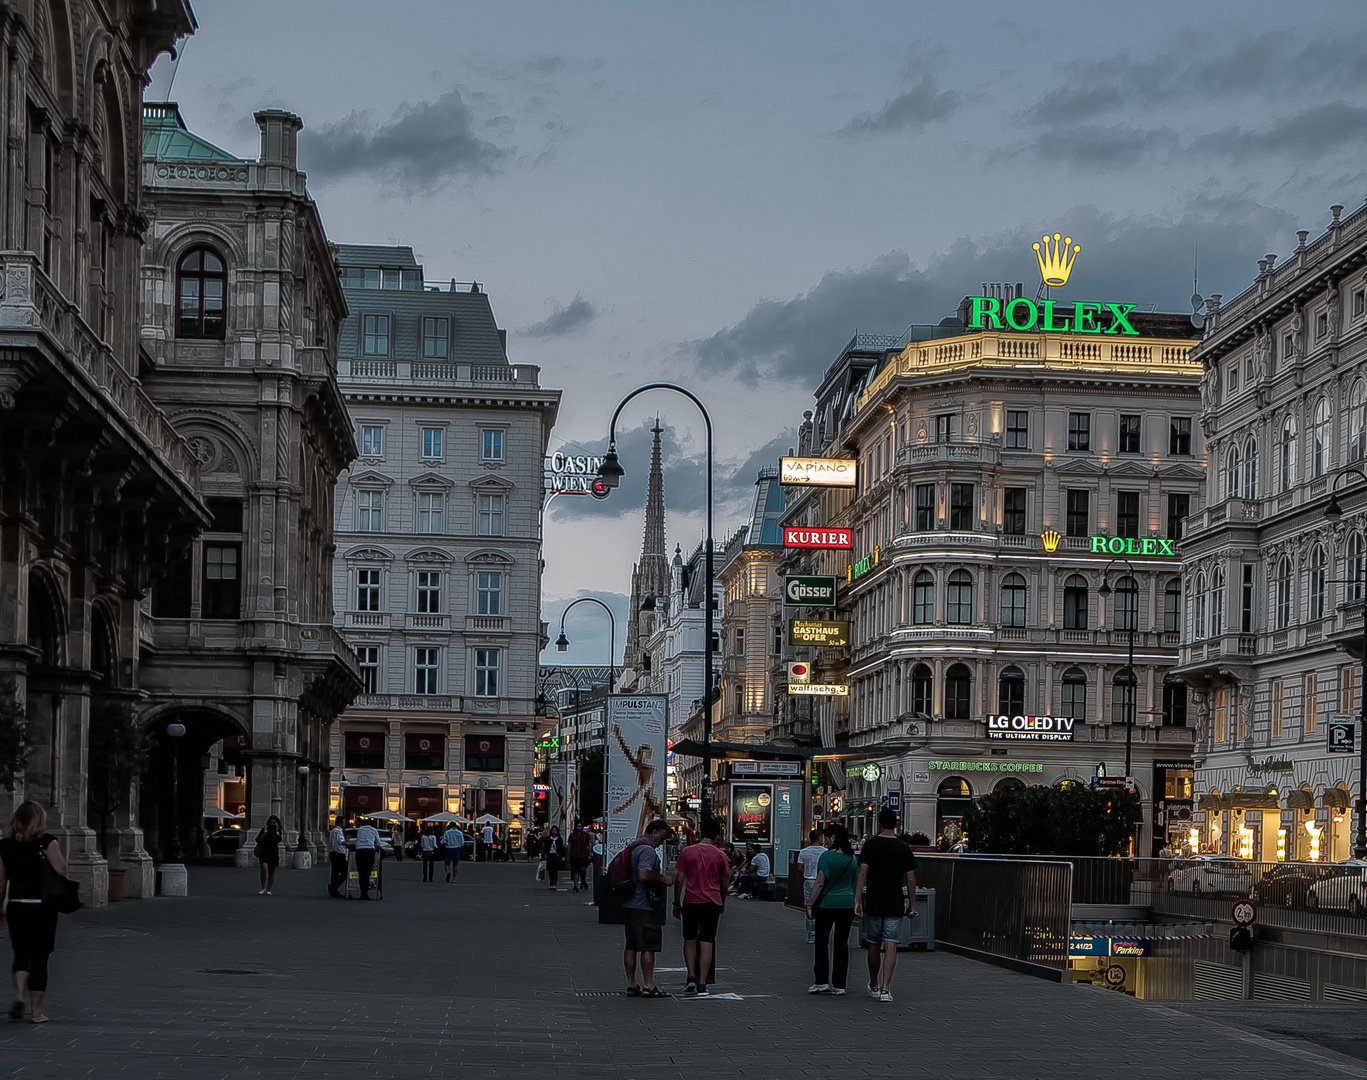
[1245,913]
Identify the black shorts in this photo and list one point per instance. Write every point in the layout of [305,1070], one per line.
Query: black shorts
[700,921]
[643,930]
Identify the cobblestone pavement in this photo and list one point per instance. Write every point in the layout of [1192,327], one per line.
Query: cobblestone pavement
[497,976]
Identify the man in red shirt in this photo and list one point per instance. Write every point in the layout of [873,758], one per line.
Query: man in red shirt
[704,872]
[581,849]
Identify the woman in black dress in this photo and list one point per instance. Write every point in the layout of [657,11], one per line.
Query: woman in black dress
[555,854]
[32,924]
[268,852]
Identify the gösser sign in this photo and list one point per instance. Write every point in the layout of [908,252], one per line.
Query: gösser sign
[803,591]
[822,472]
[1031,728]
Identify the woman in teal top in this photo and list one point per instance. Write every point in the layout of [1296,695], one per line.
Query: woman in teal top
[832,906]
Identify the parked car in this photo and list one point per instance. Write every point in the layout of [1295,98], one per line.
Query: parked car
[1210,875]
[1287,885]
[1340,887]
[225,841]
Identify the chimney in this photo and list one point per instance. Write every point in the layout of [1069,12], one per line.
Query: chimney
[279,136]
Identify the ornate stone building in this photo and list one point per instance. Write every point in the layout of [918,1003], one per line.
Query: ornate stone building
[1274,564]
[241,309]
[97,487]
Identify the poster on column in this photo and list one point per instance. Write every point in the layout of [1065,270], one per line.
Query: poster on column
[564,795]
[635,782]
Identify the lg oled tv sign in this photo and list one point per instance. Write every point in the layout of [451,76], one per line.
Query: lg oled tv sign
[1031,728]
[838,539]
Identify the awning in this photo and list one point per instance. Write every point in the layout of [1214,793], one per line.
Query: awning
[1254,798]
[1210,801]
[1334,798]
[1300,799]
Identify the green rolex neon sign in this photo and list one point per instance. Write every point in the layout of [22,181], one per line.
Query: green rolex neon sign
[1022,313]
[1133,545]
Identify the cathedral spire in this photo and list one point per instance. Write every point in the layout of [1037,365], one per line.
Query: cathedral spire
[654,543]
[650,577]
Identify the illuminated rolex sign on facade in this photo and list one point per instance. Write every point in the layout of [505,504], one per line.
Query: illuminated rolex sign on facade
[1056,256]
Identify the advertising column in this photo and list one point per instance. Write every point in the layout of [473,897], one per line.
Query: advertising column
[635,783]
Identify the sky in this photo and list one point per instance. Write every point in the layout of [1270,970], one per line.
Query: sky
[720,194]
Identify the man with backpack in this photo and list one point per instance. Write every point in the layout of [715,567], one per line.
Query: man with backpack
[638,870]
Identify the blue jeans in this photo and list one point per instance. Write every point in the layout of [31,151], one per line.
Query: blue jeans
[878,929]
[807,885]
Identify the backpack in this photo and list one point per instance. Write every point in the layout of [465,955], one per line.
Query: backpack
[620,878]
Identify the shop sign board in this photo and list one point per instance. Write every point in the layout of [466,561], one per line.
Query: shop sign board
[819,689]
[1084,945]
[766,768]
[817,472]
[1341,736]
[752,813]
[864,565]
[1031,728]
[1133,545]
[799,671]
[805,590]
[572,474]
[826,539]
[986,766]
[818,633]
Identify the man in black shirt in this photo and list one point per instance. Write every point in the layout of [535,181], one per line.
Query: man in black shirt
[885,865]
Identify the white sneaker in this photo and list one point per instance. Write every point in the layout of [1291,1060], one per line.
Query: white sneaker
[874,992]
[811,939]
[837,991]
[268,892]
[819,988]
[884,995]
[260,892]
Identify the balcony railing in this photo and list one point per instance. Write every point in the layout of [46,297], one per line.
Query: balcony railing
[438,373]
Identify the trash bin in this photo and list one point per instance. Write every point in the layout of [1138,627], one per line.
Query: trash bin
[917,933]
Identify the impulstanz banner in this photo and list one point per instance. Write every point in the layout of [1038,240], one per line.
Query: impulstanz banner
[1031,728]
[635,787]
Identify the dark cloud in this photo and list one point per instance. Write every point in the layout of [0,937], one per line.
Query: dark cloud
[1144,260]
[422,147]
[1306,136]
[587,629]
[1100,146]
[564,320]
[923,104]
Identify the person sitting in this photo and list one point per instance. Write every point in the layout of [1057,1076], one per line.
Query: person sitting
[756,875]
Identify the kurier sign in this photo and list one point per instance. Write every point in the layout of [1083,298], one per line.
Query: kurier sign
[1031,728]
[840,539]
[818,472]
[818,632]
[802,590]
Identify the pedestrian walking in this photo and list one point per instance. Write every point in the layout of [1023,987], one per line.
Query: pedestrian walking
[486,835]
[453,847]
[337,858]
[808,857]
[580,846]
[367,855]
[645,910]
[532,845]
[830,907]
[32,924]
[885,865]
[702,874]
[267,853]
[427,850]
[555,855]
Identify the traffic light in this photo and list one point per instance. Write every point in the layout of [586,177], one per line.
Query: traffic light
[539,804]
[1240,939]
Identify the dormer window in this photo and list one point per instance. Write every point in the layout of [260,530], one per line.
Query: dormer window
[202,286]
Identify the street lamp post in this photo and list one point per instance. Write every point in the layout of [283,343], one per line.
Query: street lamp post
[1131,618]
[611,473]
[303,797]
[562,643]
[176,731]
[1333,512]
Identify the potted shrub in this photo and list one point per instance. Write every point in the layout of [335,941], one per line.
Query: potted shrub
[119,746]
[14,745]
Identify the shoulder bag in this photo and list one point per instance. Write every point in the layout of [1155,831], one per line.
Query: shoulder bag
[59,891]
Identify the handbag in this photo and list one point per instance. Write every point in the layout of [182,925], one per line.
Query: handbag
[541,870]
[59,891]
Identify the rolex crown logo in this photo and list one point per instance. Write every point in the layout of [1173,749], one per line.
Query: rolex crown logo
[1055,259]
[1051,539]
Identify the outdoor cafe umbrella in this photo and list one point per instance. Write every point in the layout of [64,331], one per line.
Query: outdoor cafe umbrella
[489,819]
[448,818]
[387,815]
[223,815]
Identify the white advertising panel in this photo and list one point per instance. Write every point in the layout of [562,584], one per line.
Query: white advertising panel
[635,787]
[563,799]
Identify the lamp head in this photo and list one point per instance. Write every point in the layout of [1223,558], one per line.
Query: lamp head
[562,643]
[303,770]
[1333,511]
[175,730]
[611,471]
[1105,589]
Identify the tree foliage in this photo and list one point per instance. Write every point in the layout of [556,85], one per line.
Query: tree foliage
[1045,820]
[119,749]
[14,743]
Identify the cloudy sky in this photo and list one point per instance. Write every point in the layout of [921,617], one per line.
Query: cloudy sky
[721,193]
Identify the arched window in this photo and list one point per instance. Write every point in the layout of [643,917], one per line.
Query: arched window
[923,598]
[1288,454]
[954,787]
[921,690]
[1217,602]
[202,286]
[959,598]
[1009,783]
[958,690]
[1074,699]
[1174,701]
[1250,487]
[1122,696]
[1319,458]
[1357,422]
[1075,603]
[1283,593]
[1232,473]
[1125,611]
[1011,692]
[1172,608]
[1317,582]
[1355,563]
[1013,600]
[1198,607]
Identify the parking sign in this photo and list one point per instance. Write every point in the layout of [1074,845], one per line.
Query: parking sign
[1341,739]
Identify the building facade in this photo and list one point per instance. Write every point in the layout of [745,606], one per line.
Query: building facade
[240,315]
[97,486]
[1274,563]
[437,582]
[1019,500]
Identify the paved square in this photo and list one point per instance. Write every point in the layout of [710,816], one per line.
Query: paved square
[497,976]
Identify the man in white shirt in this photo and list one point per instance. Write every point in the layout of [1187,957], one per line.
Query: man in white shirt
[427,849]
[453,842]
[367,854]
[756,874]
[808,857]
[337,857]
[487,835]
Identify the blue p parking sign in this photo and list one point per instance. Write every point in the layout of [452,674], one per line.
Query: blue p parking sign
[1341,737]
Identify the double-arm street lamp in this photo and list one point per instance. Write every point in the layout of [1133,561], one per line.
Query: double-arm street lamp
[611,473]
[1333,512]
[1126,677]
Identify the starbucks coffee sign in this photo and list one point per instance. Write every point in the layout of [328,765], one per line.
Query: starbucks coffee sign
[802,590]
